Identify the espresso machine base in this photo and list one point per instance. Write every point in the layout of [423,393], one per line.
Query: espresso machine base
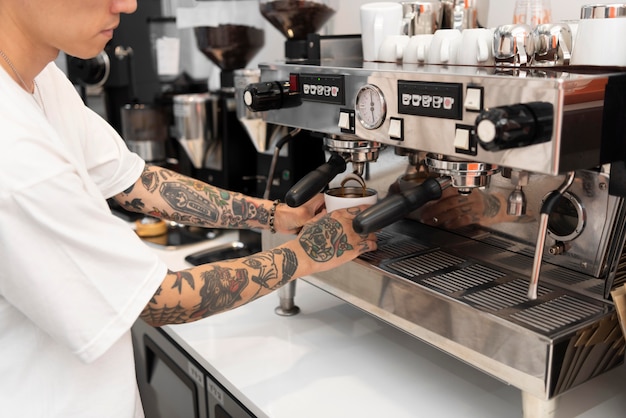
[469,299]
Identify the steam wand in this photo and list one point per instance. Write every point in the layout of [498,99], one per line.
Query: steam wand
[546,208]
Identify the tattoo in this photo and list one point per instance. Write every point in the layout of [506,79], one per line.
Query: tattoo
[180,277]
[492,206]
[246,211]
[149,180]
[222,288]
[324,239]
[188,201]
[134,205]
[265,263]
[165,315]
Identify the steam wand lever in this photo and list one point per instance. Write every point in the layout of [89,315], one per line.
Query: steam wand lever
[546,209]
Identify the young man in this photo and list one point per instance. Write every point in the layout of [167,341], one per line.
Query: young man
[73,277]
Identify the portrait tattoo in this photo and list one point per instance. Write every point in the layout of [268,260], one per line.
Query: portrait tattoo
[324,239]
[221,289]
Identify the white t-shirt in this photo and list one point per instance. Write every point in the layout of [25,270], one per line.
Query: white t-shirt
[73,277]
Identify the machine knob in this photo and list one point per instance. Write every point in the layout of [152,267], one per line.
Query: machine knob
[269,95]
[518,125]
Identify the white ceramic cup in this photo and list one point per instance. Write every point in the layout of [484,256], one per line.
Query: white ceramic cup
[392,48]
[476,47]
[416,51]
[443,47]
[379,20]
[600,42]
[349,196]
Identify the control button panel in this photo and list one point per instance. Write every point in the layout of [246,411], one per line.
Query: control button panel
[326,88]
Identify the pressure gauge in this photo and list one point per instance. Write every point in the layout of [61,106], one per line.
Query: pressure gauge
[371,108]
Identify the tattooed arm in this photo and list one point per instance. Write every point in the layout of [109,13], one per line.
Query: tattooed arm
[456,210]
[168,195]
[201,291]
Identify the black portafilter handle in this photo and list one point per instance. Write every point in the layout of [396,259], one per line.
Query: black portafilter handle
[315,181]
[397,206]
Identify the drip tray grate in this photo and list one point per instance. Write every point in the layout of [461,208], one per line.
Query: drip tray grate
[463,279]
[504,296]
[397,249]
[424,264]
[557,313]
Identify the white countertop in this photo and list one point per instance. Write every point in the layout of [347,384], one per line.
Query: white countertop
[333,360]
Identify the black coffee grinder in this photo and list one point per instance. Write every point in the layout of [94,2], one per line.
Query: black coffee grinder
[230,37]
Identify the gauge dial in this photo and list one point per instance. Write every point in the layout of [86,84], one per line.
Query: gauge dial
[371,108]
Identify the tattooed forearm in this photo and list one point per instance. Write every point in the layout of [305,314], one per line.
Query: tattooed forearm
[325,239]
[222,286]
[168,195]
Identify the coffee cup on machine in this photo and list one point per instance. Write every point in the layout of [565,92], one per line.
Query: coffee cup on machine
[600,36]
[378,20]
[392,48]
[416,51]
[444,46]
[476,47]
[346,197]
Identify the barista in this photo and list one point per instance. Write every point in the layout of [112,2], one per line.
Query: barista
[74,278]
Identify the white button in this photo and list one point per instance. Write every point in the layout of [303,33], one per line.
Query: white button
[473,98]
[486,130]
[395,128]
[461,139]
[344,120]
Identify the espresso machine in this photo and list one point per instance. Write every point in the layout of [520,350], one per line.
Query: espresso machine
[522,290]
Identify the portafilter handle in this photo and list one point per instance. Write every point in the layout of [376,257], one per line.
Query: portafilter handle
[397,206]
[315,181]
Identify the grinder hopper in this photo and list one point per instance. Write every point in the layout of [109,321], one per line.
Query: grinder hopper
[296,20]
[230,35]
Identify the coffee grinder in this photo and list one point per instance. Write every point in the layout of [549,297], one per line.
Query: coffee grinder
[205,124]
[238,151]
[299,21]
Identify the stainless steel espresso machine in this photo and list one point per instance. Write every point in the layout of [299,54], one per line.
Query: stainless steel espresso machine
[522,290]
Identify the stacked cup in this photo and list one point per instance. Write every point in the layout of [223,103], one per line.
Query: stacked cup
[600,36]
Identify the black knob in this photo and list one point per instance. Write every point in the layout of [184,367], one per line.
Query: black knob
[514,126]
[270,95]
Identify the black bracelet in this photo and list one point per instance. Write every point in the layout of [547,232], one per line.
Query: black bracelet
[273,216]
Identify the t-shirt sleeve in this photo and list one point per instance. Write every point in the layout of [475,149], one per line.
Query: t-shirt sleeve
[79,273]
